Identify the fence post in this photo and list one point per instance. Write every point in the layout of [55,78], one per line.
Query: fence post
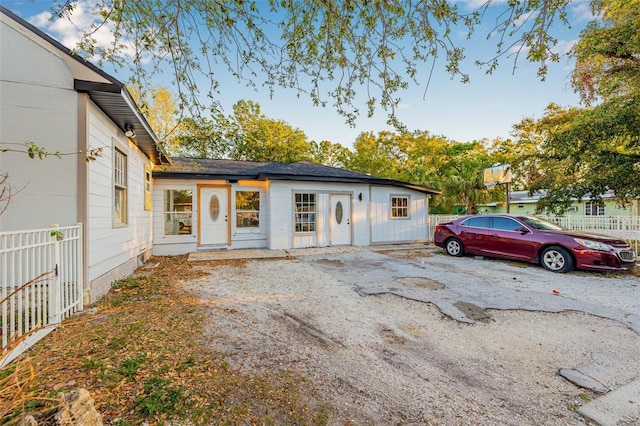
[54,286]
[79,268]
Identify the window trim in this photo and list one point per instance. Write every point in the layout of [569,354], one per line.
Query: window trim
[120,187]
[296,213]
[166,212]
[599,206]
[406,208]
[247,228]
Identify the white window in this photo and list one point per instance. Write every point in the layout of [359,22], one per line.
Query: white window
[120,188]
[247,209]
[305,219]
[399,206]
[591,208]
[178,211]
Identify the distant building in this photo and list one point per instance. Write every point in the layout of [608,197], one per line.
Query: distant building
[522,202]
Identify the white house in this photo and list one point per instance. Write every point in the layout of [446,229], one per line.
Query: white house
[204,204]
[63,104]
[133,202]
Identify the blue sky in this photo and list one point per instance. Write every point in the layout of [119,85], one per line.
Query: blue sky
[487,107]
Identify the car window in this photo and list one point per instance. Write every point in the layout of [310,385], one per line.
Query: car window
[477,222]
[538,223]
[505,224]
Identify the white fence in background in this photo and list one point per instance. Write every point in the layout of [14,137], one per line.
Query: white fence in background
[41,284]
[623,227]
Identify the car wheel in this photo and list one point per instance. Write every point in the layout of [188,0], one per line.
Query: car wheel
[556,259]
[454,247]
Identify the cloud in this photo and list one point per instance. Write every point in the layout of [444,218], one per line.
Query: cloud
[563,47]
[69,30]
[581,10]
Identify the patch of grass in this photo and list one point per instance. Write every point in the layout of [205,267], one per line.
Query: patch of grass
[94,364]
[130,367]
[161,396]
[586,398]
[127,283]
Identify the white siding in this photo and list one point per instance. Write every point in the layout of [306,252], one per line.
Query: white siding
[281,234]
[181,244]
[112,246]
[170,245]
[37,103]
[384,229]
[369,216]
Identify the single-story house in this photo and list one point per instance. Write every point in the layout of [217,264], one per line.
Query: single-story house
[132,201]
[204,204]
[522,202]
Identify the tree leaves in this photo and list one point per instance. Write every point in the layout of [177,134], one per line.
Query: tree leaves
[351,54]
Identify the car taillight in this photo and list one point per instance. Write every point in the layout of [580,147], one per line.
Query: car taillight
[437,227]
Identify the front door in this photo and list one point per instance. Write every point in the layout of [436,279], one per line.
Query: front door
[340,220]
[214,215]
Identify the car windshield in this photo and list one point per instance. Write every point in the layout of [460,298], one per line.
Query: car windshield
[538,223]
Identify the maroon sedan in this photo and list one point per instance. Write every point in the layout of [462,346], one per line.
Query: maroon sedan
[531,239]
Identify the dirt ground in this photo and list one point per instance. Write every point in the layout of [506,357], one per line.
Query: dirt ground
[382,356]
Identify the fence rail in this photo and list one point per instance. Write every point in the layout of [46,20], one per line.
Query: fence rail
[40,284]
[623,227]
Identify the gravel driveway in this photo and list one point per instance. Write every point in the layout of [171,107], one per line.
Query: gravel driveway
[417,337]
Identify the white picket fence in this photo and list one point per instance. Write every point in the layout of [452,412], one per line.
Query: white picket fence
[41,284]
[623,227]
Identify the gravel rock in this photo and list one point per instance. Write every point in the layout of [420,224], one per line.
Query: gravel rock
[366,331]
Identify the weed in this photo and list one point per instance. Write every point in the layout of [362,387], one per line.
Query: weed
[107,376]
[94,364]
[585,397]
[117,344]
[131,366]
[160,397]
[126,283]
[190,362]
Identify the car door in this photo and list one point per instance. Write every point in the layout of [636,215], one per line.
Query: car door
[505,238]
[473,233]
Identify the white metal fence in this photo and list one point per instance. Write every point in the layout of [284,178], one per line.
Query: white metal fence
[623,227]
[40,284]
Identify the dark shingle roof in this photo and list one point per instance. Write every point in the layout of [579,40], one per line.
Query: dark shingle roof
[207,168]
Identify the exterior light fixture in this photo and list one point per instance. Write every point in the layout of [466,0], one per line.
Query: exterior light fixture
[360,196]
[128,131]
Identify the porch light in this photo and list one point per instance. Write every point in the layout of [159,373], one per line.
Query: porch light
[128,131]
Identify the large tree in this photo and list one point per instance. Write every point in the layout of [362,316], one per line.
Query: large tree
[597,150]
[256,137]
[354,54]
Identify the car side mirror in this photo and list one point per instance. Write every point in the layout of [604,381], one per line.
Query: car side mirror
[523,230]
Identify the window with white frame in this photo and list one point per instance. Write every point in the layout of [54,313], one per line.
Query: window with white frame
[247,209]
[593,208]
[305,214]
[399,206]
[120,187]
[178,211]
